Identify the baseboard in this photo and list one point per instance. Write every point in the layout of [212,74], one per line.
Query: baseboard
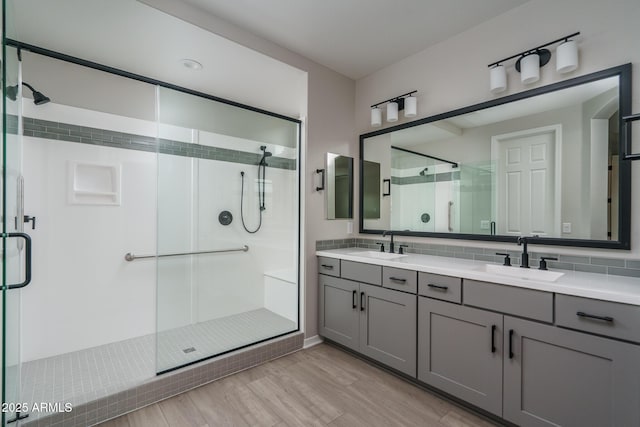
[310,342]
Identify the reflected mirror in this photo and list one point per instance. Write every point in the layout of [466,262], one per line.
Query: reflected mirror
[541,163]
[339,189]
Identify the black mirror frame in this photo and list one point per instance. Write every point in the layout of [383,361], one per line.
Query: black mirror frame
[624,212]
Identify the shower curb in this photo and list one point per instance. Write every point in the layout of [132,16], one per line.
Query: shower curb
[170,384]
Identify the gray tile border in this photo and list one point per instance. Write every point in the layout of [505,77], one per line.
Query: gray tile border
[574,259]
[86,135]
[560,265]
[612,262]
[632,263]
[473,250]
[588,268]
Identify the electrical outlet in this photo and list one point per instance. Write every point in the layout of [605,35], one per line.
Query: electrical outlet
[566,227]
[484,224]
[349,227]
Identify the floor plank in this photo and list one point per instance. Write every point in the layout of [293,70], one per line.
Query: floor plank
[181,411]
[117,422]
[320,386]
[460,418]
[147,417]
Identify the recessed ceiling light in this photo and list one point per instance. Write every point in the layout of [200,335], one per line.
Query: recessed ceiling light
[191,64]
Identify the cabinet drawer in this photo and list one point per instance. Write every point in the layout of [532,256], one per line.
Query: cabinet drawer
[399,279]
[329,266]
[599,317]
[445,288]
[360,272]
[509,299]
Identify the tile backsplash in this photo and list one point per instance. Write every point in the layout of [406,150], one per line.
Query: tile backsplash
[614,266]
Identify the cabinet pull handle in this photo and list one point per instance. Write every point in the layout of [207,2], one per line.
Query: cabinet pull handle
[354,297]
[593,316]
[511,344]
[327,266]
[442,288]
[397,279]
[493,338]
[361,301]
[321,172]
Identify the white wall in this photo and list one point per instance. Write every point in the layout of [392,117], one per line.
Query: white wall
[454,73]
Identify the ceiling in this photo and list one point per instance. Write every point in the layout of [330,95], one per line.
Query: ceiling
[134,37]
[355,37]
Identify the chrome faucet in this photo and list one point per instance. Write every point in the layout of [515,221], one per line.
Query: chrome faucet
[391,245]
[524,262]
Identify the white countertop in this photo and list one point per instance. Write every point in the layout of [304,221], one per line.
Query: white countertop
[589,285]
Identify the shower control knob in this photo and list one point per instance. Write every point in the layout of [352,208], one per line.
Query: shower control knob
[225,217]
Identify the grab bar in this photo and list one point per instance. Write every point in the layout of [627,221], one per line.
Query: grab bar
[131,257]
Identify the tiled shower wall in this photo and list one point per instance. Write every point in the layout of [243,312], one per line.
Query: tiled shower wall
[589,264]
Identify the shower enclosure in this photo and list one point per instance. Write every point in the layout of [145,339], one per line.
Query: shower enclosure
[125,217]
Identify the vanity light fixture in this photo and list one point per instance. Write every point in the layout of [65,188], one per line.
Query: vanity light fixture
[376,117]
[405,102]
[567,56]
[498,78]
[530,61]
[392,111]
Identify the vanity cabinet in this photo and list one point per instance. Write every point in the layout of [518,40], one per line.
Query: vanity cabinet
[375,321]
[460,352]
[534,358]
[388,327]
[339,314]
[554,376]
[527,372]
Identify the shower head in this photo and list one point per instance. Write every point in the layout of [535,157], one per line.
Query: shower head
[38,97]
[423,172]
[265,153]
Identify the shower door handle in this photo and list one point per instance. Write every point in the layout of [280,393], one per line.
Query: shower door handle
[27,256]
[449,217]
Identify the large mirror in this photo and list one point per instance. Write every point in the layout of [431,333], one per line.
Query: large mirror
[542,163]
[339,191]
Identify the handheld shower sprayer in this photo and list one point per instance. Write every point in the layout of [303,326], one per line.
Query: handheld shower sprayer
[262,168]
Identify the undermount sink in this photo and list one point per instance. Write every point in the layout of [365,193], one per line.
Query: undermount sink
[521,273]
[377,255]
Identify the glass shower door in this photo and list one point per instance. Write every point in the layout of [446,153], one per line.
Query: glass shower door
[227,240]
[16,245]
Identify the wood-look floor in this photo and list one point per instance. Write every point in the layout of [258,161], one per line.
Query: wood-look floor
[320,386]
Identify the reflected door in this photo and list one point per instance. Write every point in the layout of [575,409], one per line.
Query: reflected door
[527,183]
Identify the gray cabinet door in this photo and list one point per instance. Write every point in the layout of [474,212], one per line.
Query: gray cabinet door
[460,352]
[388,327]
[339,314]
[559,377]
